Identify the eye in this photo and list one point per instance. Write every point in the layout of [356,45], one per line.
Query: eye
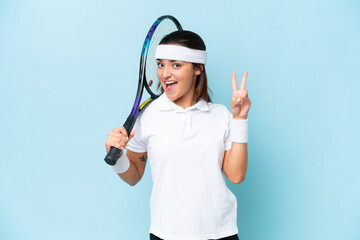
[176,65]
[160,64]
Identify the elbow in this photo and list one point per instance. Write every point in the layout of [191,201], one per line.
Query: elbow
[133,183]
[238,180]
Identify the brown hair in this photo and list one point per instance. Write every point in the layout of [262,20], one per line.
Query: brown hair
[191,40]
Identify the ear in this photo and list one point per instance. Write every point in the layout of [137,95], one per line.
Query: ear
[199,69]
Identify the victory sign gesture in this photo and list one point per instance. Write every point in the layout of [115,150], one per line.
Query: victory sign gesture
[240,102]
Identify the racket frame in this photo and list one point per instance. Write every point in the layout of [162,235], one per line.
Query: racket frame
[112,156]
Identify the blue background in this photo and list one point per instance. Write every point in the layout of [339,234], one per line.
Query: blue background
[68,71]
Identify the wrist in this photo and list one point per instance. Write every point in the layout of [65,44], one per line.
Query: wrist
[122,164]
[239,130]
[240,118]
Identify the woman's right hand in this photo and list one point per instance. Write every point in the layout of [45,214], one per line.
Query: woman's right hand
[118,138]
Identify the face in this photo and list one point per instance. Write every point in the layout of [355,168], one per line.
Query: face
[178,80]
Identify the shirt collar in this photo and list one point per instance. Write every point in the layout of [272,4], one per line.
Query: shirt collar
[168,105]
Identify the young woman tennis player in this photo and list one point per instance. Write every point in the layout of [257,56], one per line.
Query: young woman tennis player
[189,143]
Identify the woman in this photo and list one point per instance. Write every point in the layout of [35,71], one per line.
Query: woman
[189,142]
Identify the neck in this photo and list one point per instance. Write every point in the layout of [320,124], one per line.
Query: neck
[185,103]
[187,100]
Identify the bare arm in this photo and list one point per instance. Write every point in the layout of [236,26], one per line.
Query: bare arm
[235,162]
[137,167]
[118,138]
[236,159]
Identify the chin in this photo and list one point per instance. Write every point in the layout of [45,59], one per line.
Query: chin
[171,96]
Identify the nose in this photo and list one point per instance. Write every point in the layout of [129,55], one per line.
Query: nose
[166,72]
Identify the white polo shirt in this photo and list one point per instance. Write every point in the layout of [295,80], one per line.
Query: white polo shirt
[185,147]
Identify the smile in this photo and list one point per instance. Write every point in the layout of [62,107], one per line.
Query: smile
[170,85]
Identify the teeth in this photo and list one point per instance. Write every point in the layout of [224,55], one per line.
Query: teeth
[170,82]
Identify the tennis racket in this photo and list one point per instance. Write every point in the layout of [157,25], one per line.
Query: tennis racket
[148,72]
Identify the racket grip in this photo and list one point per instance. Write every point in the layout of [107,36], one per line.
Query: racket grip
[113,155]
[129,124]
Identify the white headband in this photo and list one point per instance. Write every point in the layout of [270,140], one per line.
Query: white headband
[175,52]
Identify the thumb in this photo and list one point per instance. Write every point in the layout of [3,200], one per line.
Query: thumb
[132,134]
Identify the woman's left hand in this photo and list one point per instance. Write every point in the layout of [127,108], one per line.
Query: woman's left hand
[240,102]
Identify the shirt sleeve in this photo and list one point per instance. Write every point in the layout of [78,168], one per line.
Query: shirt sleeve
[137,143]
[228,142]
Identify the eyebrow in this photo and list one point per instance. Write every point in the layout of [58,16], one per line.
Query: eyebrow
[160,60]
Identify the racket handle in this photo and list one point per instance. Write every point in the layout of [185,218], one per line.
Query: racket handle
[113,155]
[129,124]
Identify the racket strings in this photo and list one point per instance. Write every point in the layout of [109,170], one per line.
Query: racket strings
[164,28]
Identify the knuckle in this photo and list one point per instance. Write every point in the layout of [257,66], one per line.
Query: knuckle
[110,139]
[115,140]
[124,132]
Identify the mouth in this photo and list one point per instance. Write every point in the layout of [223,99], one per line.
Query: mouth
[170,86]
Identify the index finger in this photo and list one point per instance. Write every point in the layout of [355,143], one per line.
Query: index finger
[243,81]
[118,129]
[233,82]
[121,130]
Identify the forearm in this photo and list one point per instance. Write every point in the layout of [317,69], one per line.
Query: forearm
[131,176]
[235,164]
[132,172]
